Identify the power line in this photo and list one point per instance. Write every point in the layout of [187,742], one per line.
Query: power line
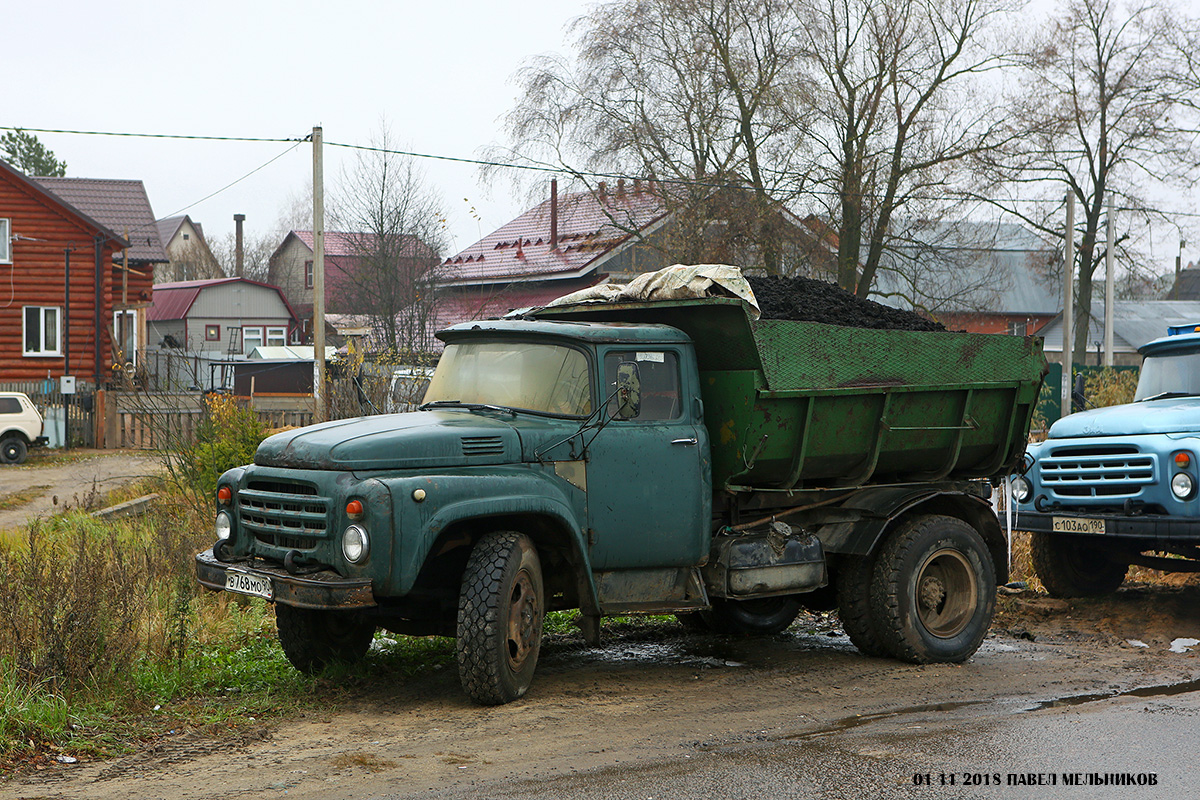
[154,135]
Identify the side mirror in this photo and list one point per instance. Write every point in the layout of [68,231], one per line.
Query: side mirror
[629,390]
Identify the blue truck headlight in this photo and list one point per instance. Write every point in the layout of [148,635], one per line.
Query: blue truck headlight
[224,526]
[1021,489]
[1182,485]
[355,544]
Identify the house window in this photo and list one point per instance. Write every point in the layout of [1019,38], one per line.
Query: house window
[212,333]
[43,331]
[308,274]
[276,337]
[1018,327]
[5,241]
[251,338]
[125,328]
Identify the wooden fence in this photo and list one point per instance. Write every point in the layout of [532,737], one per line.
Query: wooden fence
[166,420]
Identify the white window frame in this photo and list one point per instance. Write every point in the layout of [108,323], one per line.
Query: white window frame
[259,334]
[5,240]
[310,275]
[276,337]
[41,312]
[131,328]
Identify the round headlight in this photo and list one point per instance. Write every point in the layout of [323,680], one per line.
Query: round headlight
[355,544]
[224,526]
[1021,489]
[1182,485]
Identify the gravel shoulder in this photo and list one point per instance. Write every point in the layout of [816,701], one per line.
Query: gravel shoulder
[49,487]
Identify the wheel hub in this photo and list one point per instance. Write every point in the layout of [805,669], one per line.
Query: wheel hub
[947,595]
[524,630]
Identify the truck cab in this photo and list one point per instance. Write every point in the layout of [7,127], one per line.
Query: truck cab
[1116,486]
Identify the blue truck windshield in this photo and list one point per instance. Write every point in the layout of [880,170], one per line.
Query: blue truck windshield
[1169,374]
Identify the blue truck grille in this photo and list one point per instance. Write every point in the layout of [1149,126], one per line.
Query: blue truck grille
[280,514]
[1108,471]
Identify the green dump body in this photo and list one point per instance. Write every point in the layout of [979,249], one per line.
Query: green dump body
[805,405]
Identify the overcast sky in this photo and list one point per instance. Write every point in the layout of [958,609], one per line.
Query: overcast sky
[438,72]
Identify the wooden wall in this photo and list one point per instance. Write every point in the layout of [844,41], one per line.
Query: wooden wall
[36,277]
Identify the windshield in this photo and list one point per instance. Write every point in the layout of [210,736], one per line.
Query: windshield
[1177,373]
[549,378]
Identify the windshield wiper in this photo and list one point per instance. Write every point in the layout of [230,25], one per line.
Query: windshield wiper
[1164,395]
[468,406]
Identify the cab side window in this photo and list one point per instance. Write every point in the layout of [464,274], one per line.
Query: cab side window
[659,372]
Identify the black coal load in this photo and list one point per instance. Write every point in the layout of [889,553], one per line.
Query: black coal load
[808,300]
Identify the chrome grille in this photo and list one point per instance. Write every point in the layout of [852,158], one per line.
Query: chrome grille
[482,446]
[280,514]
[1101,471]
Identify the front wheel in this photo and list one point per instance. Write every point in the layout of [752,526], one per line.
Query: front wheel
[758,617]
[12,450]
[313,638]
[934,591]
[1075,566]
[500,612]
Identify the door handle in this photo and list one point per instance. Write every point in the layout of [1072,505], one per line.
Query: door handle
[692,440]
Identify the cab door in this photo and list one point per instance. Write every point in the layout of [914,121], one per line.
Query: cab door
[648,477]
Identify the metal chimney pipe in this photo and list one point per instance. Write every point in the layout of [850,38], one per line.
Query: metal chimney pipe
[554,213]
[238,252]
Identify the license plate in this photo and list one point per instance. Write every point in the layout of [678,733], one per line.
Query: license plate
[244,583]
[1078,525]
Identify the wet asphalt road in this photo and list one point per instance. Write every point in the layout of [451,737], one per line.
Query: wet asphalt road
[1146,740]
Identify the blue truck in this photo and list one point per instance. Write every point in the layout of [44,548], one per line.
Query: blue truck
[1116,486]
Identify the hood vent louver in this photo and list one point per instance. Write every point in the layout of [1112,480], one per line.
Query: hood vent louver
[482,446]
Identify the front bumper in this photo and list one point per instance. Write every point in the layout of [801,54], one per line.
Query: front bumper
[1147,526]
[319,590]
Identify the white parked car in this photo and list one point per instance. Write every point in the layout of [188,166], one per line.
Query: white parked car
[20,427]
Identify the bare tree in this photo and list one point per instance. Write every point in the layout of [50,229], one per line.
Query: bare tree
[902,111]
[693,93]
[394,231]
[1108,112]
[256,254]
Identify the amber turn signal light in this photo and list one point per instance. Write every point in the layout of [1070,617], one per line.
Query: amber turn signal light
[224,495]
[1182,460]
[354,509]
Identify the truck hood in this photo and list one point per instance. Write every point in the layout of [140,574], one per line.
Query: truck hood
[394,441]
[1169,415]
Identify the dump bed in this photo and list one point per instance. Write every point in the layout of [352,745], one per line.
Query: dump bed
[801,405]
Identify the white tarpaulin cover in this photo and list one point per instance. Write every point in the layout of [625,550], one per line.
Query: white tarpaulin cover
[679,282]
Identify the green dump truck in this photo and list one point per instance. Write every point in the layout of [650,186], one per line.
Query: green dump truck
[670,457]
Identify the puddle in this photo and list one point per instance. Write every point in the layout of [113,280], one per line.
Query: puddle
[857,720]
[1166,690]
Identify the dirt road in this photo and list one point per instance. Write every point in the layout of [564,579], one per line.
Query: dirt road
[655,696]
[47,488]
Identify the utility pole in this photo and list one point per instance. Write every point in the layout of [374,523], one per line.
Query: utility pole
[318,275]
[1109,281]
[1068,326]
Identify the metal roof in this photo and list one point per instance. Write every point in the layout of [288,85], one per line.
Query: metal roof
[173,300]
[121,205]
[590,226]
[972,266]
[1135,322]
[340,244]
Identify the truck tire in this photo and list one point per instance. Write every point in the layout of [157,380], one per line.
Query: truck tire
[500,612]
[312,639]
[758,617]
[934,590]
[1075,566]
[12,450]
[852,580]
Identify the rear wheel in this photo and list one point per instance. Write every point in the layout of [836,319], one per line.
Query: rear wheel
[312,639]
[1076,566]
[500,612]
[853,582]
[934,591]
[758,617]
[12,450]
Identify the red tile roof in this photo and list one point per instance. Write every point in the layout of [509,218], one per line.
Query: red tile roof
[588,229]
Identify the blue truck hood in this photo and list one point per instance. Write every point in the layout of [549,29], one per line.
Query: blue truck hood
[394,441]
[1169,415]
